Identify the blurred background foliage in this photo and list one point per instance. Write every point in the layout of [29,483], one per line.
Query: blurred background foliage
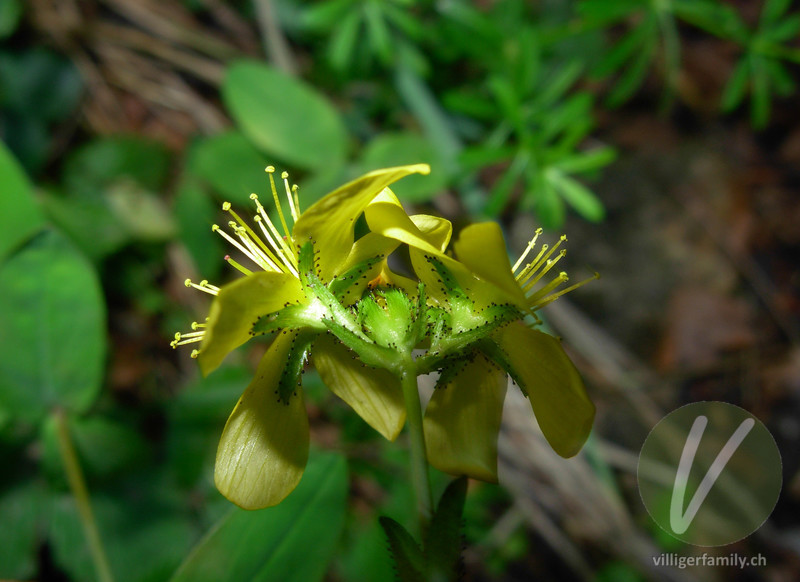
[661,135]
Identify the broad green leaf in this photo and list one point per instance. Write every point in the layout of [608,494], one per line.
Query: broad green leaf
[99,164]
[20,217]
[53,332]
[462,421]
[143,214]
[283,116]
[39,83]
[105,447]
[548,377]
[88,221]
[20,514]
[238,306]
[132,527]
[231,165]
[374,394]
[292,542]
[195,213]
[396,149]
[264,447]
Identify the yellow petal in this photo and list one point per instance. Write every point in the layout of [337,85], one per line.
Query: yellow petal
[462,421]
[389,219]
[554,387]
[264,448]
[237,307]
[374,394]
[482,249]
[330,221]
[437,231]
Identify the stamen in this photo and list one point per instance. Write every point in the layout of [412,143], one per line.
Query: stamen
[528,249]
[562,278]
[270,170]
[295,188]
[237,266]
[286,259]
[530,267]
[195,353]
[262,260]
[550,264]
[227,237]
[182,339]
[276,239]
[204,286]
[266,251]
[569,289]
[292,208]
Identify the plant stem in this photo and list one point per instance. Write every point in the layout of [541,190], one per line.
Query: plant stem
[77,485]
[419,457]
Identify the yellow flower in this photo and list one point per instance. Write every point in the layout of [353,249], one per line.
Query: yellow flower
[481,295]
[264,447]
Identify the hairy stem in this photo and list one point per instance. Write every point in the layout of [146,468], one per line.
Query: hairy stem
[77,485]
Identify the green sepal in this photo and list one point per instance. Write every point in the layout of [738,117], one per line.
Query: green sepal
[293,365]
[387,317]
[406,553]
[341,284]
[450,286]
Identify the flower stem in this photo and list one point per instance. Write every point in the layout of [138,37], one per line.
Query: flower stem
[419,458]
[77,485]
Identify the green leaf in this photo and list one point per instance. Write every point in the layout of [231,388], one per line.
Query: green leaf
[283,116]
[88,221]
[144,537]
[92,169]
[785,30]
[195,213]
[105,447]
[397,149]
[10,13]
[231,165]
[53,332]
[20,513]
[39,83]
[426,108]
[408,558]
[293,541]
[342,44]
[760,100]
[20,217]
[773,10]
[737,86]
[443,539]
[379,35]
[577,195]
[588,161]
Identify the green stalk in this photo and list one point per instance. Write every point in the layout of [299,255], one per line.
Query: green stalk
[77,485]
[419,457]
